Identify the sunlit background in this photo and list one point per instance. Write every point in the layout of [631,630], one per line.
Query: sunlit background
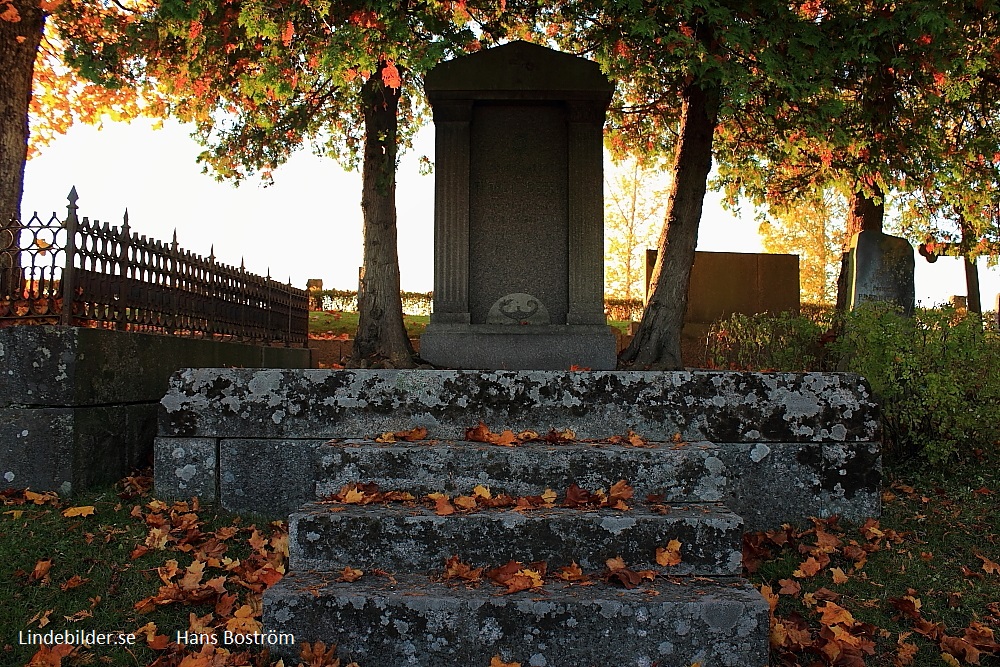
[308,224]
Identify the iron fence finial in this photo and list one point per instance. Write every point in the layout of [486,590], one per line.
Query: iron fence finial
[73,196]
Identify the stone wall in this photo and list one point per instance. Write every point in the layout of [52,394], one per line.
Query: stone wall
[78,406]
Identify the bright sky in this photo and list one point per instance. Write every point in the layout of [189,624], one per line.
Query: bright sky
[308,224]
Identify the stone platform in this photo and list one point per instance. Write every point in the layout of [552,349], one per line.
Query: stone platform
[773,447]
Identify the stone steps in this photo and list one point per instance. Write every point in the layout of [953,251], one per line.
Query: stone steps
[773,448]
[414,539]
[413,620]
[682,472]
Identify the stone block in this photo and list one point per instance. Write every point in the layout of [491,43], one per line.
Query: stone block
[554,347]
[399,538]
[258,475]
[67,449]
[700,405]
[186,467]
[413,621]
[63,366]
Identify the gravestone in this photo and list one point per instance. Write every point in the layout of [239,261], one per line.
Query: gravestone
[518,212]
[880,268]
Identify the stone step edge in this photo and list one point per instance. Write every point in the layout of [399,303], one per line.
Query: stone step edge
[416,538]
[717,621]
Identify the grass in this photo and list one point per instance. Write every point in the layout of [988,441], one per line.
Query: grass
[927,545]
[331,324]
[85,573]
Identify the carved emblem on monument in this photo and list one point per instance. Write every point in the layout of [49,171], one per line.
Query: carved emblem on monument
[518,308]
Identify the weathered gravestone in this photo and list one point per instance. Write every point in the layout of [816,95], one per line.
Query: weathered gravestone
[518,212]
[880,268]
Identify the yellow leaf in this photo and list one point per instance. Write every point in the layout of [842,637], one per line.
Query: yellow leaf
[949,659]
[838,575]
[86,510]
[354,496]
[669,556]
[549,496]
[465,503]
[482,492]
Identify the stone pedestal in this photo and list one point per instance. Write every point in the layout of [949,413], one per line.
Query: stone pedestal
[518,212]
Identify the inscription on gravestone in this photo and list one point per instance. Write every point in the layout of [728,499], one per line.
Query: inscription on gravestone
[518,212]
[880,268]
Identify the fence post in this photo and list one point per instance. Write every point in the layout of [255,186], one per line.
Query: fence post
[67,286]
[122,308]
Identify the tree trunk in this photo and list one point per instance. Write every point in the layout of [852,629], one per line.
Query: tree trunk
[381,336]
[657,343]
[974,297]
[19,41]
[864,214]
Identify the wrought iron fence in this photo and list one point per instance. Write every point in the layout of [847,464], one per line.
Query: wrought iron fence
[90,273]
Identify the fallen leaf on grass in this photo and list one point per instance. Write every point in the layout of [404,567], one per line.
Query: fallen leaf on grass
[86,510]
[51,656]
[41,571]
[789,587]
[73,582]
[988,565]
[808,568]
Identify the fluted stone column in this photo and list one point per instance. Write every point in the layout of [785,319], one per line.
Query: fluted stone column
[451,212]
[586,213]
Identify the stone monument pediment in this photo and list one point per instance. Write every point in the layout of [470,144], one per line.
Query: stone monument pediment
[516,70]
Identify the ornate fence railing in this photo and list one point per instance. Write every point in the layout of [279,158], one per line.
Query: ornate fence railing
[85,272]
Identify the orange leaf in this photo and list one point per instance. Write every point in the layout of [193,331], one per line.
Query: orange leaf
[669,556]
[838,575]
[789,587]
[442,507]
[73,582]
[465,503]
[287,34]
[86,510]
[390,76]
[571,572]
[833,614]
[808,568]
[10,14]
[41,570]
[988,565]
[349,574]
[455,569]
[495,661]
[51,656]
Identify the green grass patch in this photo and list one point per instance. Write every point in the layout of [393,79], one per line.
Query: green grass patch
[325,324]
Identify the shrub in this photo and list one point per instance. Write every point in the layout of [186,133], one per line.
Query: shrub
[936,376]
[765,342]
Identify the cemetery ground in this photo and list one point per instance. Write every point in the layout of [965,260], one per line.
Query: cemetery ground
[921,586]
[337,323]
